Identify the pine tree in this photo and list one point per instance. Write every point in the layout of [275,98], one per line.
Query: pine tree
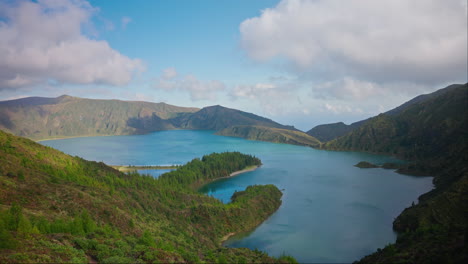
[24,225]
[6,239]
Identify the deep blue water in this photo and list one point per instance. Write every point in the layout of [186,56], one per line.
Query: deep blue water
[331,211]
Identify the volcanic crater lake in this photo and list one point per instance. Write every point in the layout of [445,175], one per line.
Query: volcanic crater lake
[331,210]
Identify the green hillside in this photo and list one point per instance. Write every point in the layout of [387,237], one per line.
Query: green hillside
[433,132]
[55,208]
[269,134]
[433,135]
[218,118]
[67,116]
[328,132]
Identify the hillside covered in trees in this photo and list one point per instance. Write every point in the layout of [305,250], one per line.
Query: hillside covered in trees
[62,209]
[432,133]
[328,132]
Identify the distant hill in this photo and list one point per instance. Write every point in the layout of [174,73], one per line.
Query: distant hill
[277,135]
[219,117]
[429,129]
[55,208]
[432,133]
[67,116]
[327,132]
[423,98]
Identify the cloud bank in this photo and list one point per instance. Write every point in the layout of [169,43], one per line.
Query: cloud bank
[419,41]
[43,42]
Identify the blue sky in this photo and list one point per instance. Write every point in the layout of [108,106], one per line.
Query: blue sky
[193,36]
[299,62]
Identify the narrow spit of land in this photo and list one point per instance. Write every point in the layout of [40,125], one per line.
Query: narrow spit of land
[128,168]
[247,169]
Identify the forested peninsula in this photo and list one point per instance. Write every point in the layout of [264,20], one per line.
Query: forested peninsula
[63,209]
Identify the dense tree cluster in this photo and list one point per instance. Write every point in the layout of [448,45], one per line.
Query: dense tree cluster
[213,166]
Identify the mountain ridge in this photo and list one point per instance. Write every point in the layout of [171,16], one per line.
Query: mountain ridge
[69,116]
[327,132]
[219,117]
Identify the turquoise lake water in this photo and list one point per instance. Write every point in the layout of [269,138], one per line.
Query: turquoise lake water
[331,211]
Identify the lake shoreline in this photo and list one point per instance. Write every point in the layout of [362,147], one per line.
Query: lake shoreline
[101,135]
[197,187]
[226,237]
[247,169]
[125,168]
[69,137]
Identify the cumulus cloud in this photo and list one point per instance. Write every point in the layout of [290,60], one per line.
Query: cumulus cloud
[198,89]
[124,21]
[418,41]
[43,41]
[339,109]
[350,89]
[275,98]
[347,88]
[169,73]
[255,91]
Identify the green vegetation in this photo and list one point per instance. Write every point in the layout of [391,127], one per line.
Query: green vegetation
[431,132]
[143,167]
[218,118]
[387,165]
[63,209]
[365,165]
[329,132]
[198,172]
[276,135]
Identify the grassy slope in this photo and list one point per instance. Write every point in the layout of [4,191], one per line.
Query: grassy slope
[432,134]
[66,116]
[218,118]
[270,134]
[77,210]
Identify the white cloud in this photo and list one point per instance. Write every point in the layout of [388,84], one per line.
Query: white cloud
[347,88]
[256,91]
[275,98]
[43,41]
[336,108]
[198,89]
[124,21]
[419,41]
[169,73]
